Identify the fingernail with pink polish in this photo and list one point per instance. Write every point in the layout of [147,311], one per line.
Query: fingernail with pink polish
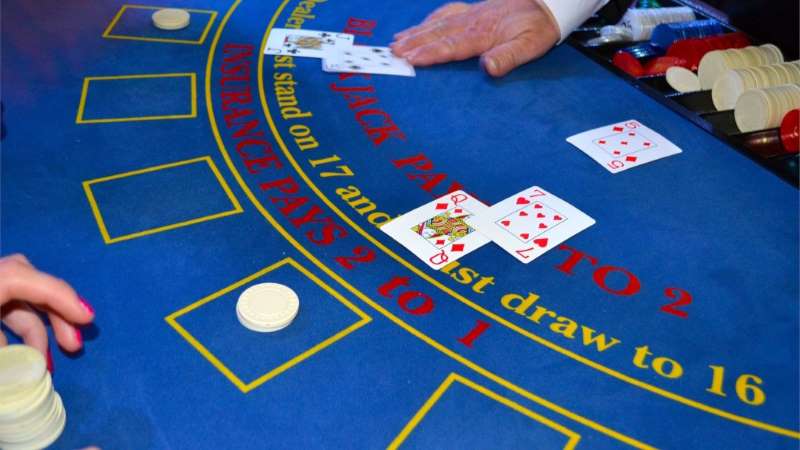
[86,305]
[49,361]
[78,336]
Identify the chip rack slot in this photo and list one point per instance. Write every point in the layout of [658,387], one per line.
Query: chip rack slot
[722,122]
[659,83]
[699,102]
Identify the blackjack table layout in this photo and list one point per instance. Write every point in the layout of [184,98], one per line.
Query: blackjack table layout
[162,173]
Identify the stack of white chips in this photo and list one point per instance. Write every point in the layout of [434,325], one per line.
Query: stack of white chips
[31,413]
[718,62]
[759,109]
[610,34]
[728,88]
[642,21]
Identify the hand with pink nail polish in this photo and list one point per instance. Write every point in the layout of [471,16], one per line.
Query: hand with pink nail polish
[505,33]
[25,293]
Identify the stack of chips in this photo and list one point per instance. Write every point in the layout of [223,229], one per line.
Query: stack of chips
[615,33]
[693,50]
[31,413]
[667,33]
[682,77]
[642,22]
[728,88]
[644,51]
[638,24]
[718,62]
[629,60]
[660,65]
[759,109]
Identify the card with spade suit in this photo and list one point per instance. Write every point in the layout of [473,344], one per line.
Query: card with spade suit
[530,223]
[306,43]
[367,59]
[623,145]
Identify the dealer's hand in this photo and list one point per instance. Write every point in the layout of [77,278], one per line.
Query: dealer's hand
[506,33]
[23,290]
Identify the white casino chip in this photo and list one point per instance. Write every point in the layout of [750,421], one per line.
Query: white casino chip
[267,307]
[171,19]
[682,79]
[32,415]
[21,368]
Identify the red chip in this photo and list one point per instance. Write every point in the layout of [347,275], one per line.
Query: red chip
[730,40]
[628,64]
[659,66]
[790,131]
[691,50]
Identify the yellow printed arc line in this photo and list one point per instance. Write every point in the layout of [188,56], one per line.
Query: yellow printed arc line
[538,339]
[85,92]
[376,306]
[107,33]
[229,374]
[573,437]
[101,224]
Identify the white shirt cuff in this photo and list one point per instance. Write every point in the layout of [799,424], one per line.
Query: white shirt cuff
[570,14]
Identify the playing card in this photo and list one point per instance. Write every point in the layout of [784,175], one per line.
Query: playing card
[623,145]
[438,232]
[530,223]
[367,59]
[308,43]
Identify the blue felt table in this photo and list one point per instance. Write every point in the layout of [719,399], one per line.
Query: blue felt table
[164,173]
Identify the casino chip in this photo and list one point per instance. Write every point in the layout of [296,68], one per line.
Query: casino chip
[660,65]
[642,21]
[267,307]
[628,63]
[717,63]
[682,79]
[171,19]
[790,131]
[759,109]
[729,87]
[610,34]
[32,415]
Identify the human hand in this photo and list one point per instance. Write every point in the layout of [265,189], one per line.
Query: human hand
[23,290]
[506,33]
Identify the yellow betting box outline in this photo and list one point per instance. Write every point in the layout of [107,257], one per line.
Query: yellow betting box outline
[572,437]
[87,187]
[246,387]
[85,92]
[109,30]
